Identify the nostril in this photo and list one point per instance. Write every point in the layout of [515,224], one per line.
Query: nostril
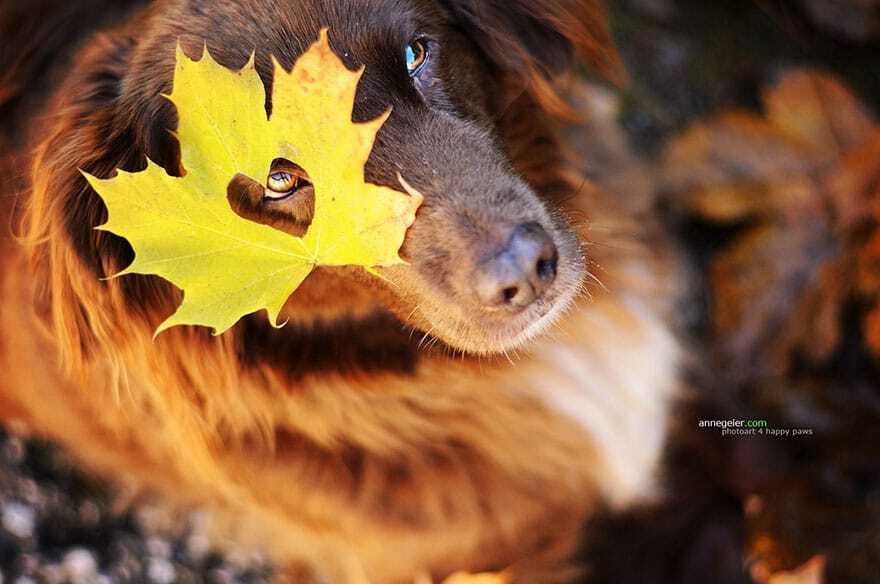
[537,254]
[520,272]
[546,268]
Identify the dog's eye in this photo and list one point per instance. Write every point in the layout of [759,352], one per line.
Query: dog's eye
[285,178]
[280,184]
[416,57]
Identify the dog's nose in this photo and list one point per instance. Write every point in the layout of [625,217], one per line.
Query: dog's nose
[520,272]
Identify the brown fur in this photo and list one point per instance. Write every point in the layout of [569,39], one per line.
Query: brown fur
[341,442]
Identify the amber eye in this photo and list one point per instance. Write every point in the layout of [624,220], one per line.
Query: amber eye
[280,184]
[285,178]
[416,57]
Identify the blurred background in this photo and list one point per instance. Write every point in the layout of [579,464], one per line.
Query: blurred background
[750,128]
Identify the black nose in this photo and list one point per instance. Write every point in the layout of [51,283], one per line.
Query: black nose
[520,272]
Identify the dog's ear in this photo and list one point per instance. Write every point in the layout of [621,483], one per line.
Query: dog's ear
[88,131]
[540,39]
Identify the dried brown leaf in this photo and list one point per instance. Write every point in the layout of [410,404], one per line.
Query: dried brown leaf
[854,183]
[768,298]
[805,179]
[727,203]
[788,200]
[732,147]
[816,109]
[868,280]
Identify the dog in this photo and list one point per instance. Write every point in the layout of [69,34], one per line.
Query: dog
[468,411]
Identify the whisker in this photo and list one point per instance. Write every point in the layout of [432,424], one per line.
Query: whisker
[424,338]
[593,277]
[414,310]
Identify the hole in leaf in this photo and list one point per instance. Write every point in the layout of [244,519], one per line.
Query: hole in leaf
[285,201]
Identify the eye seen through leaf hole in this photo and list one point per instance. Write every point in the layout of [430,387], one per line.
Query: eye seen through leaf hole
[286,201]
[285,179]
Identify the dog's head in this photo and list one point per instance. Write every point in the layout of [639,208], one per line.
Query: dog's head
[490,260]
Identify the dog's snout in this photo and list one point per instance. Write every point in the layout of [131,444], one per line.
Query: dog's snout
[518,274]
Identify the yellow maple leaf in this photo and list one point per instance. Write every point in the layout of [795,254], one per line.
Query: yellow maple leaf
[183,228]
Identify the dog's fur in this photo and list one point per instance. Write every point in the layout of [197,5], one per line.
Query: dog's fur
[342,442]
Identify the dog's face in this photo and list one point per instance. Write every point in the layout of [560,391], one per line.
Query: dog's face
[489,264]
